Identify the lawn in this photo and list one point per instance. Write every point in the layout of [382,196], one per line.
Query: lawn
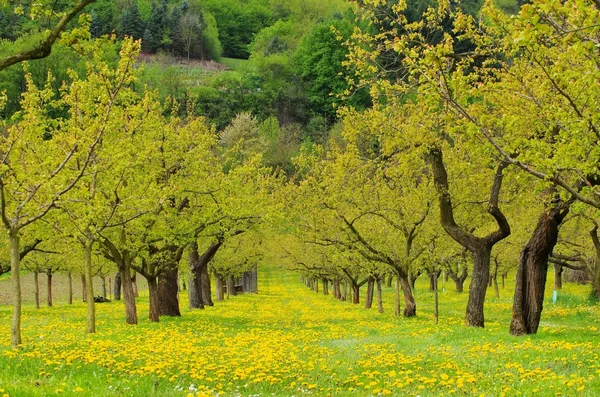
[290,341]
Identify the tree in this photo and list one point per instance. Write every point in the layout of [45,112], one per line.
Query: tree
[43,47]
[131,22]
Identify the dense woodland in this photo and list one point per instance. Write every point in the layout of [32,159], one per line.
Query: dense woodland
[357,143]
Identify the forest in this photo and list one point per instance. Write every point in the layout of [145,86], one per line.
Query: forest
[270,197]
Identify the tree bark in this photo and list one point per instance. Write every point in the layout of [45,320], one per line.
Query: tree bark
[595,269]
[344,292]
[153,299]
[128,292]
[379,296]
[219,288]
[481,248]
[83,290]
[117,287]
[49,286]
[336,288]
[89,289]
[558,271]
[355,293]
[194,292]
[432,277]
[230,286]
[37,289]
[205,286]
[15,265]
[533,268]
[370,293]
[436,307]
[70,288]
[325,286]
[134,285]
[410,307]
[168,293]
[103,279]
[389,281]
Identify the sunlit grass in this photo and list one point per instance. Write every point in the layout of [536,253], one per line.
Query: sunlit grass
[287,341]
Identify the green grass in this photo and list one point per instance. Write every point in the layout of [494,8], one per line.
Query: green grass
[234,63]
[287,341]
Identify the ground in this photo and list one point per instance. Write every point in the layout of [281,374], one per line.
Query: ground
[289,341]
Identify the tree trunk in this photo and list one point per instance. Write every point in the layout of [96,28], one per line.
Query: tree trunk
[389,281]
[219,288]
[134,285]
[496,289]
[230,286]
[370,293]
[15,266]
[89,289]
[83,290]
[37,289]
[325,286]
[117,287]
[128,292]
[478,286]
[103,279]
[379,296]
[336,288]
[153,299]
[168,293]
[205,285]
[355,293]
[410,307]
[503,278]
[558,271]
[194,292]
[316,285]
[531,273]
[49,286]
[344,292]
[460,285]
[70,288]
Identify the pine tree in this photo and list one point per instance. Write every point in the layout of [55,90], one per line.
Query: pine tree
[131,22]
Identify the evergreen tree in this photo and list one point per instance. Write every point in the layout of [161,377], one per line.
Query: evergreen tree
[131,22]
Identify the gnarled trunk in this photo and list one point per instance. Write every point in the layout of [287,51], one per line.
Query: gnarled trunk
[531,273]
[410,307]
[168,293]
[478,286]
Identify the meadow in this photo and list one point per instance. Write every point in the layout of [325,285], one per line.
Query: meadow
[289,341]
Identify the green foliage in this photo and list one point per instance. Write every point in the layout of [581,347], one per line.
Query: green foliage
[131,22]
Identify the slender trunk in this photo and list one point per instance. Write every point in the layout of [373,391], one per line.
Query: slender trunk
[128,293]
[109,291]
[355,293]
[219,288]
[496,289]
[103,279]
[83,290]
[531,273]
[117,286]
[15,266]
[316,285]
[70,288]
[436,308]
[344,292]
[389,281]
[503,278]
[37,290]
[89,289]
[370,291]
[168,293]
[49,286]
[478,287]
[153,299]
[336,288]
[460,285]
[558,270]
[325,286]
[379,296]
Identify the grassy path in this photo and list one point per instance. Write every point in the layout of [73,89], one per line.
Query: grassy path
[289,341]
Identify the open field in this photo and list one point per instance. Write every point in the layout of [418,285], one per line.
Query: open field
[287,341]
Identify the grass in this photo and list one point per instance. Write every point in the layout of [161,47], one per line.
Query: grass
[287,341]
[234,63]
